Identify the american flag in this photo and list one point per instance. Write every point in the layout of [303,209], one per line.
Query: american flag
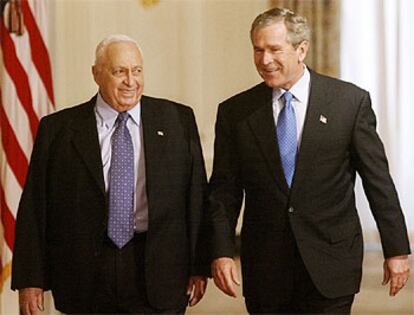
[26,94]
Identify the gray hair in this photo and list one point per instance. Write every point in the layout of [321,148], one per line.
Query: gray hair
[296,25]
[115,38]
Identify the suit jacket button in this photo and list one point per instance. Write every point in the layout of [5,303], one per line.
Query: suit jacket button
[291,210]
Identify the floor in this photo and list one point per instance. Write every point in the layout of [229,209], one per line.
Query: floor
[373,298]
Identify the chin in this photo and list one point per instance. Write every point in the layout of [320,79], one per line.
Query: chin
[272,83]
[129,102]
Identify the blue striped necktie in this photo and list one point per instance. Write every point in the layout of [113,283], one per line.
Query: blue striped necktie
[287,138]
[121,184]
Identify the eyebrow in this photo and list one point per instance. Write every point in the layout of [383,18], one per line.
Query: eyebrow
[124,67]
[268,46]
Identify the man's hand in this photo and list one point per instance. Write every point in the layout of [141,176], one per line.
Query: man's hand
[196,288]
[31,301]
[396,271]
[225,275]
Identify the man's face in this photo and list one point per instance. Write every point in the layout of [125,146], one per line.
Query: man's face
[277,61]
[120,75]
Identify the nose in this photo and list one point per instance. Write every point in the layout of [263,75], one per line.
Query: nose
[129,79]
[266,58]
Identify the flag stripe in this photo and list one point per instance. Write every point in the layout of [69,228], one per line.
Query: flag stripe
[14,154]
[40,55]
[16,114]
[7,220]
[11,186]
[41,102]
[19,77]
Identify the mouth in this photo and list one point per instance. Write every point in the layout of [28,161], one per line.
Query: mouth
[270,71]
[128,93]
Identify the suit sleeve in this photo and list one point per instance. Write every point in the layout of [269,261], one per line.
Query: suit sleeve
[371,163]
[225,191]
[29,255]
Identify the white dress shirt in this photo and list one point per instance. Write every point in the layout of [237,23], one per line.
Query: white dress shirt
[105,121]
[300,91]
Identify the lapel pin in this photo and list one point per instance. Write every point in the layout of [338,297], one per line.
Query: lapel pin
[323,119]
[160,133]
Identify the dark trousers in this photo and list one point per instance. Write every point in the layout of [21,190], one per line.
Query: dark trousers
[121,281]
[300,296]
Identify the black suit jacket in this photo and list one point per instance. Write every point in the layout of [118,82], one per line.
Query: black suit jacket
[62,216]
[319,209]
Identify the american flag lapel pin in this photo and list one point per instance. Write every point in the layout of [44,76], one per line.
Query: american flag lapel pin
[160,133]
[323,119]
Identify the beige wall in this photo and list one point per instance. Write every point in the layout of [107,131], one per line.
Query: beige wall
[195,51]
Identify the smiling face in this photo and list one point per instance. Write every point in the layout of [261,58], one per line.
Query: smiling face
[119,74]
[277,61]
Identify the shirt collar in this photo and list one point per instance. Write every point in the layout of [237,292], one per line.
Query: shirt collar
[106,115]
[300,89]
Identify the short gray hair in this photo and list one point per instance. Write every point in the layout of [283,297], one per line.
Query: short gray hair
[114,38]
[296,25]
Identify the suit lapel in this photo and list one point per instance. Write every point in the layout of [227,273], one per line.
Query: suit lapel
[263,127]
[314,127]
[85,139]
[155,135]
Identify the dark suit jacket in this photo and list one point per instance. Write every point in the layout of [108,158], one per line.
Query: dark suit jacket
[319,210]
[62,216]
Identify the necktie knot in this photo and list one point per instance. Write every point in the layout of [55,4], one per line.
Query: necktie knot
[288,98]
[122,117]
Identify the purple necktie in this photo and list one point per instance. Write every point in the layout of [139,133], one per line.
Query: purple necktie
[287,138]
[121,184]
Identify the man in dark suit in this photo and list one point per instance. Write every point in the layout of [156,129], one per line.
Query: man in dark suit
[110,215]
[292,146]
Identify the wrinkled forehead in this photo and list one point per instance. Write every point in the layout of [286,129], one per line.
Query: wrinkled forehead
[121,54]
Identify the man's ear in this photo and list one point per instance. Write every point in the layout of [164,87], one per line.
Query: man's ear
[303,50]
[95,73]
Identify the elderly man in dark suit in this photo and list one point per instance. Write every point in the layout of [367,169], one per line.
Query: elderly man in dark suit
[110,215]
[292,146]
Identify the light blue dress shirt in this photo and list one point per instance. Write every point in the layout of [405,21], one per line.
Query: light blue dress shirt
[105,123]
